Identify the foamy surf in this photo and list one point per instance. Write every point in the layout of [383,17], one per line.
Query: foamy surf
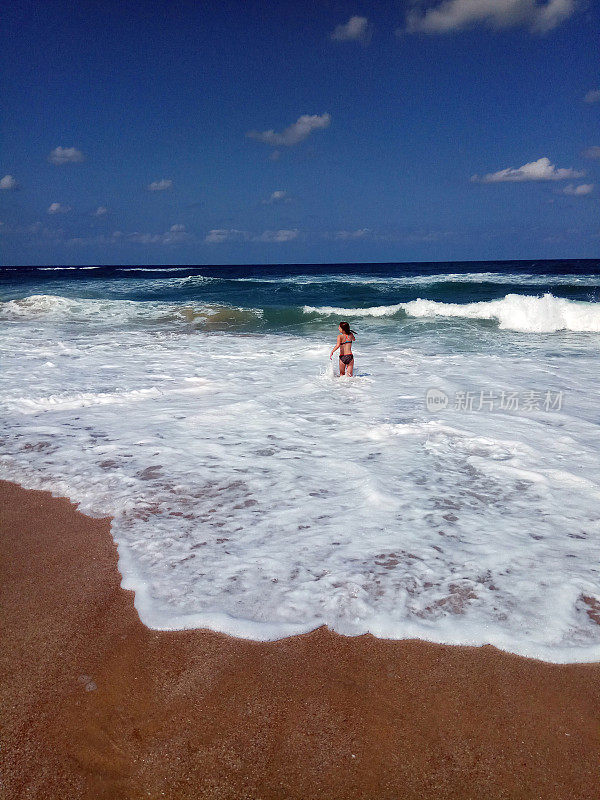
[123,312]
[516,312]
[254,493]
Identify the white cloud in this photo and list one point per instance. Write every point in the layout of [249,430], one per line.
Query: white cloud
[427,237]
[37,231]
[277,197]
[65,155]
[219,235]
[175,235]
[540,170]
[58,208]
[358,234]
[160,186]
[278,236]
[140,238]
[357,29]
[578,191]
[294,133]
[101,211]
[8,182]
[455,15]
[593,96]
[592,152]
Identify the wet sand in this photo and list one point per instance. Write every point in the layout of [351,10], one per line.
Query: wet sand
[95,705]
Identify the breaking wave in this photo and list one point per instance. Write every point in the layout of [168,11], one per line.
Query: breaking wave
[121,312]
[517,312]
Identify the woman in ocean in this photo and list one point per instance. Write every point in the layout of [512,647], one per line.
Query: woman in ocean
[344,342]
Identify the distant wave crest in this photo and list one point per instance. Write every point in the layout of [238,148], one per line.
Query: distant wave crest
[120,312]
[516,312]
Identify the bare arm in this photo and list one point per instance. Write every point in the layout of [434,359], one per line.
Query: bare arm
[339,341]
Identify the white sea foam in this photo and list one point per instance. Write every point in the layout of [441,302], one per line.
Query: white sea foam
[57,308]
[386,281]
[70,402]
[54,308]
[45,269]
[372,311]
[382,281]
[516,312]
[255,494]
[158,269]
[519,313]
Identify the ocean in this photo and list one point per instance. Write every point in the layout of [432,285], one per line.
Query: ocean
[449,491]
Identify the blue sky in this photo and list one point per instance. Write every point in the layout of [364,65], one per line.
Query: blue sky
[389,131]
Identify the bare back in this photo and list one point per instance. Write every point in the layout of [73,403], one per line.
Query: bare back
[345,343]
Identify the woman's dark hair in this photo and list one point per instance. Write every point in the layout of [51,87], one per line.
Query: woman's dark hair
[345,326]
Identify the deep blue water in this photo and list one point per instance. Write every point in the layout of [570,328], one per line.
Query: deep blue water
[285,286]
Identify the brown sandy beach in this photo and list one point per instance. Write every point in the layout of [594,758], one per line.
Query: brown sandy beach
[95,705]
